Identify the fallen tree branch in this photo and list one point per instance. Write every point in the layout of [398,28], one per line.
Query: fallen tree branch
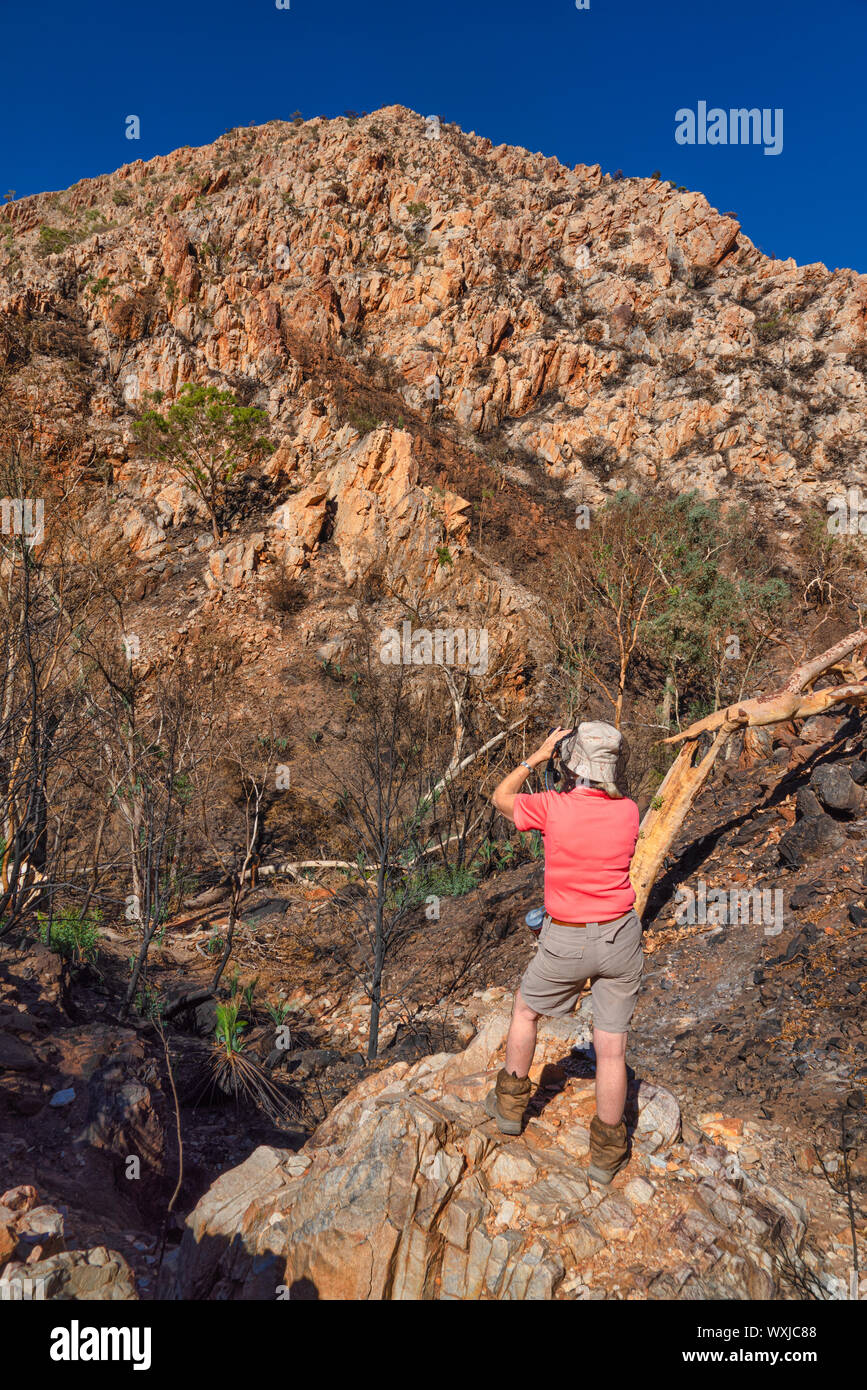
[683,782]
[804,674]
[775,708]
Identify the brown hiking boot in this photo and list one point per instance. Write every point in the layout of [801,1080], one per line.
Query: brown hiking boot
[508,1101]
[607,1150]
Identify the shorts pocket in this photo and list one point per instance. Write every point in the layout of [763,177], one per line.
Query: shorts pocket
[563,943]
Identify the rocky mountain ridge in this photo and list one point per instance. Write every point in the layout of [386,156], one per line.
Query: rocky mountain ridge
[609,331]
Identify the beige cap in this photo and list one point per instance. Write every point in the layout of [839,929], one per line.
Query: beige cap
[593,751]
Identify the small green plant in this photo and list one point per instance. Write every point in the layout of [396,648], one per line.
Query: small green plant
[71,935]
[769,330]
[214,944]
[148,1002]
[418,209]
[229,1027]
[444,556]
[656,803]
[531,840]
[249,992]
[239,1074]
[441,880]
[278,1011]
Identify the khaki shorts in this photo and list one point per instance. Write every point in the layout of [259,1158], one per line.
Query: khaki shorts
[609,955]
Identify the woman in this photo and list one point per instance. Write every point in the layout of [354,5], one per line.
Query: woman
[590,930]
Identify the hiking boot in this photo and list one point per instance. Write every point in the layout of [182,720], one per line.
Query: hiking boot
[508,1101]
[607,1150]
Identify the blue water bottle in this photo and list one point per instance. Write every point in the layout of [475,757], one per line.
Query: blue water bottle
[534,919]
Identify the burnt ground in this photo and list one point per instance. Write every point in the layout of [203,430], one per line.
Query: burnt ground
[765,1031]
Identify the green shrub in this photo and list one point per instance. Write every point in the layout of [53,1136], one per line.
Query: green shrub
[769,330]
[363,421]
[441,880]
[71,935]
[52,240]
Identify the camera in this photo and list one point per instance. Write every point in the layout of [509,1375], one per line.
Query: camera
[555,770]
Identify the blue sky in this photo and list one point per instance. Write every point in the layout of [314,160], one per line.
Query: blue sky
[599,85]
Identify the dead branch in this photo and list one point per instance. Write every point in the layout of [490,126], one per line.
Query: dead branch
[683,782]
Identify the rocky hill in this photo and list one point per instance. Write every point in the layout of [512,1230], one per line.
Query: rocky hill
[559,326]
[614,330]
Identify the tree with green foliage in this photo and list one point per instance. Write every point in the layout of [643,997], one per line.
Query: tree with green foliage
[716,608]
[208,437]
[671,580]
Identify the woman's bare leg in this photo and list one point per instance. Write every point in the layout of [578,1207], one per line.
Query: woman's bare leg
[521,1042]
[610,1075]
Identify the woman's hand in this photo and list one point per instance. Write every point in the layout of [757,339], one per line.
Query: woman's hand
[546,749]
[504,795]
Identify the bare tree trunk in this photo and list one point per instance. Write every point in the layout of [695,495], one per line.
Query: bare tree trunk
[669,810]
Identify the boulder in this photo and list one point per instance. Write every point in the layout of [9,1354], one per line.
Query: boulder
[814,837]
[835,788]
[409,1192]
[71,1275]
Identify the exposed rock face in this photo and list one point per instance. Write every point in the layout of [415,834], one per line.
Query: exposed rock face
[35,1264]
[407,1191]
[617,330]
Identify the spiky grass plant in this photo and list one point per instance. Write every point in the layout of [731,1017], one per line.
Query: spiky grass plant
[239,1074]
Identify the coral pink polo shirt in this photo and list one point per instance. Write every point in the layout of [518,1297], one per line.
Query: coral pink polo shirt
[589,843]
